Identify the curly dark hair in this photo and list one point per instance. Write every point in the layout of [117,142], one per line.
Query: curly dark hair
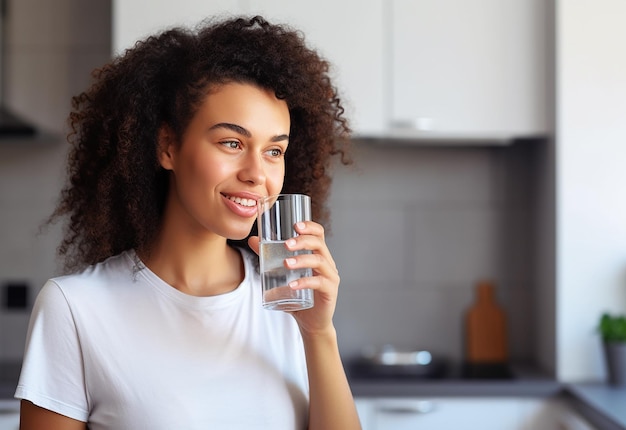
[115,195]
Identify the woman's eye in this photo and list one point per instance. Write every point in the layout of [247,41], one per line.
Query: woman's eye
[275,152]
[232,144]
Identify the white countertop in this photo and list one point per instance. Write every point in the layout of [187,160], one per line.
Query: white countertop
[603,405]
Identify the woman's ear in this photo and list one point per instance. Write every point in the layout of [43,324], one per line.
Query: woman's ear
[166,148]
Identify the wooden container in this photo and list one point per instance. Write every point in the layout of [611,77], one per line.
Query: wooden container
[486,330]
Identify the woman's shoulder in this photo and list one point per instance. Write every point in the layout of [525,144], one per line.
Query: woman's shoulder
[91,291]
[115,269]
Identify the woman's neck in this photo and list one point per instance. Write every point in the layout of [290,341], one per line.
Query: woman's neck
[196,265]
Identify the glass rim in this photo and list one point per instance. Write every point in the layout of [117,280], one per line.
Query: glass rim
[281,196]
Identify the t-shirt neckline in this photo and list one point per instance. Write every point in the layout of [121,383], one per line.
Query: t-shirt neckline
[191,301]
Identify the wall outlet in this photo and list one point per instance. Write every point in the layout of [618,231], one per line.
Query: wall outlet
[15,295]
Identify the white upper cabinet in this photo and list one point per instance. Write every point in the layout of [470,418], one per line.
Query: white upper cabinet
[136,19]
[426,68]
[468,68]
[350,34]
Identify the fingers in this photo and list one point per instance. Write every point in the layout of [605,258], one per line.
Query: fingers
[321,270]
[309,227]
[311,237]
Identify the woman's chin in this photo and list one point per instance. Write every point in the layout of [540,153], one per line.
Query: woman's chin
[239,236]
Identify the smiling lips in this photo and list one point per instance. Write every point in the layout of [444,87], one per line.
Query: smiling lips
[243,202]
[242,206]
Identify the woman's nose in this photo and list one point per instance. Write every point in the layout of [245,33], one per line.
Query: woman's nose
[252,170]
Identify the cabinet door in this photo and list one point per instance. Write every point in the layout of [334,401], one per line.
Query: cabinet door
[350,35]
[447,413]
[364,408]
[469,67]
[9,421]
[9,414]
[134,19]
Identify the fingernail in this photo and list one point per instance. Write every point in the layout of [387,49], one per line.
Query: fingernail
[291,242]
[300,225]
[293,284]
[290,261]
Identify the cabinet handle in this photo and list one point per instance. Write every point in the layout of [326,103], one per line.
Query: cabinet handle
[423,407]
[419,124]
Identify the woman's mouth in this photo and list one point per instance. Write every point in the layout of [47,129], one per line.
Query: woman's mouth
[243,202]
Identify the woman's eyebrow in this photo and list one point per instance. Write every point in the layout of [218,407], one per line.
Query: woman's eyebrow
[233,127]
[240,130]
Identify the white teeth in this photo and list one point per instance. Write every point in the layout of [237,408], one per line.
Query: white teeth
[243,202]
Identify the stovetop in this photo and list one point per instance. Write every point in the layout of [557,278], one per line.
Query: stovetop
[432,372]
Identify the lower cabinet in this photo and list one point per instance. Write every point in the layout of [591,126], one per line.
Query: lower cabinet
[467,413]
[9,414]
[9,420]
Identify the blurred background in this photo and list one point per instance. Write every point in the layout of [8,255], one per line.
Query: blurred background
[489,144]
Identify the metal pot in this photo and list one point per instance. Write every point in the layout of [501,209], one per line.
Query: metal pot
[390,362]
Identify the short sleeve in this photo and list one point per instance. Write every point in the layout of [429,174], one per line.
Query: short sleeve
[52,375]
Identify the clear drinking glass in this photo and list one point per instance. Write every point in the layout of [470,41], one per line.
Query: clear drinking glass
[277,216]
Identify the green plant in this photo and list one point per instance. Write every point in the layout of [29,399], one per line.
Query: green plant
[612,328]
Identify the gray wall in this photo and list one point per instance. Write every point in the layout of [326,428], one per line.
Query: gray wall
[50,49]
[413,229]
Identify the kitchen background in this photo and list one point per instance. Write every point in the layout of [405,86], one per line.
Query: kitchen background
[49,50]
[420,217]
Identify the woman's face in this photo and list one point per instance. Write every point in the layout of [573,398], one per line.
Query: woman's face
[231,154]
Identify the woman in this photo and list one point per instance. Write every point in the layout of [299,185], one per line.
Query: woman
[161,325]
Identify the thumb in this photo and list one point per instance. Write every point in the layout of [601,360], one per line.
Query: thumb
[253,242]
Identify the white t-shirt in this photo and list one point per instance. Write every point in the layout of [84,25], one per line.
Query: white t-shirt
[117,347]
